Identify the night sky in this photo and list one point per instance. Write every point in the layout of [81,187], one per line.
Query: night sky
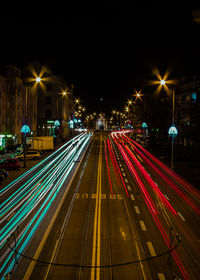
[107,51]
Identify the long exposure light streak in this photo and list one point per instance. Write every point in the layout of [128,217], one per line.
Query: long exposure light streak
[116,166]
[111,189]
[121,142]
[37,194]
[20,178]
[157,167]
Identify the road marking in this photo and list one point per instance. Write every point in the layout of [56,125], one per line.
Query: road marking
[124,174]
[94,196]
[136,243]
[122,169]
[161,276]
[119,196]
[166,197]
[140,158]
[132,197]
[95,273]
[129,188]
[77,195]
[126,180]
[181,216]
[143,226]
[102,196]
[137,210]
[84,195]
[151,249]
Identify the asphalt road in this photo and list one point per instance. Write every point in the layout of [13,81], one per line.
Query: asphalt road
[117,217]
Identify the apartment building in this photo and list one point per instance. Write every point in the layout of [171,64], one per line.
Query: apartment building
[188,111]
[18,106]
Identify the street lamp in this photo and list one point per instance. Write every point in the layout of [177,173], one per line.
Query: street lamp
[172,131]
[162,82]
[38,79]
[25,129]
[137,95]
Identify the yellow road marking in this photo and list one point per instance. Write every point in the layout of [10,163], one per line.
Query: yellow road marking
[151,249]
[143,227]
[161,276]
[97,222]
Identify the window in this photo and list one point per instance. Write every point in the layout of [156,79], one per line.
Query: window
[48,99]
[193,98]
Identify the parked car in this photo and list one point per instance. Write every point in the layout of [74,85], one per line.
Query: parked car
[30,154]
[10,163]
[3,174]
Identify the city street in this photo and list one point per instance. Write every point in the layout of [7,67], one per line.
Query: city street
[100,207]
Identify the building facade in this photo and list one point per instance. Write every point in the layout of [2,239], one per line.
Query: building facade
[18,106]
[39,105]
[187,109]
[54,104]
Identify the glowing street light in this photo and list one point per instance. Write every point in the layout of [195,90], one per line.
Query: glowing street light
[162,82]
[38,79]
[138,94]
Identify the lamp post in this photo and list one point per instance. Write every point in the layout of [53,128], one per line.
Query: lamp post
[173,132]
[137,96]
[25,129]
[130,112]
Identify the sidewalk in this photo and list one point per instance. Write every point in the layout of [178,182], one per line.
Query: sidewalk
[7,155]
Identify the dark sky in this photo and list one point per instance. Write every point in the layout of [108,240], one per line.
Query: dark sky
[107,51]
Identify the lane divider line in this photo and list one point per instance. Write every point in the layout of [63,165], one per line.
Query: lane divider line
[137,210]
[151,249]
[181,216]
[143,227]
[161,276]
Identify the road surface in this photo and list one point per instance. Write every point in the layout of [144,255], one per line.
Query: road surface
[121,214]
